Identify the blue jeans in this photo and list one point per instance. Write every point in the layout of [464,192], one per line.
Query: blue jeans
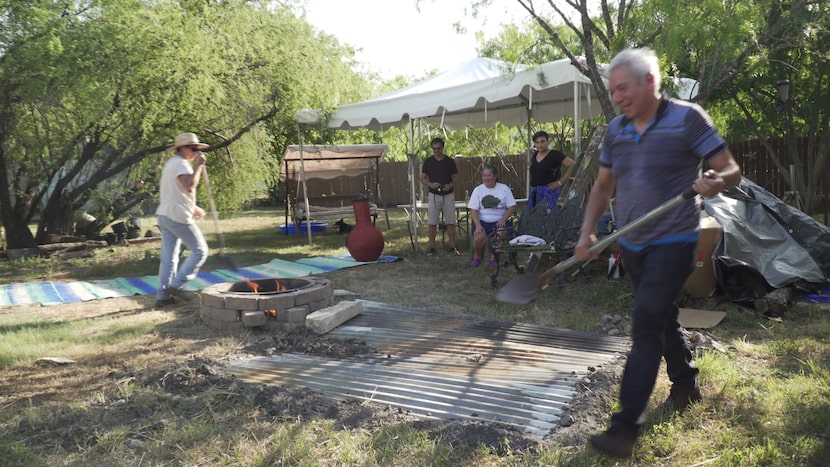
[173,234]
[657,274]
[542,193]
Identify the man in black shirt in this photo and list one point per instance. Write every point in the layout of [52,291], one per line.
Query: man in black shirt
[438,174]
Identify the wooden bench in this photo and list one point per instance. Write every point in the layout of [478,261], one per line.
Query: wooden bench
[559,228]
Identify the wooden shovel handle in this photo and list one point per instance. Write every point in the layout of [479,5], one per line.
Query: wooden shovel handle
[607,241]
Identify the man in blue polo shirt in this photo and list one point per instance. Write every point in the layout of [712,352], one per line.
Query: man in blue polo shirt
[657,148]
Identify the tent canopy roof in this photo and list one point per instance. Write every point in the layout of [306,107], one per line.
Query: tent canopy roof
[478,93]
[327,162]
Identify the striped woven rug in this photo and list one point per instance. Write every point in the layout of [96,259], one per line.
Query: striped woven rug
[54,293]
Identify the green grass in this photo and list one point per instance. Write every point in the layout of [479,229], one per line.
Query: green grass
[766,397]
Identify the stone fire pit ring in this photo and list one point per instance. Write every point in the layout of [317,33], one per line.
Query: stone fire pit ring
[231,305]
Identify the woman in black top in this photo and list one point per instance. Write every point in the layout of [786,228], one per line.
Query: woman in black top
[545,172]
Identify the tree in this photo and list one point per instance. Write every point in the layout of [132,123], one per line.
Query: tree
[95,92]
[779,40]
[734,49]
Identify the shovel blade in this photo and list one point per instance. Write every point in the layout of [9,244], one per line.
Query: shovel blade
[521,290]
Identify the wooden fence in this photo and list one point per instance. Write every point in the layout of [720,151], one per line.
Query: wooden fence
[394,185]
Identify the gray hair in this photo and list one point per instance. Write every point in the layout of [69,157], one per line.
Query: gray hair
[641,61]
[491,168]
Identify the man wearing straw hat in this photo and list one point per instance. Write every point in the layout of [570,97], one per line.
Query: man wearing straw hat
[176,214]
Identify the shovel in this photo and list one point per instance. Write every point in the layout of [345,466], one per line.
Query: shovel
[527,287]
[225,260]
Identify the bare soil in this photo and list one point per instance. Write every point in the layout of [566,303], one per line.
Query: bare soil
[183,359]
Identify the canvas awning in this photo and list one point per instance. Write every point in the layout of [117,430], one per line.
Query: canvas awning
[328,162]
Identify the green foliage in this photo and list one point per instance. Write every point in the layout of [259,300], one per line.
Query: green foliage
[94,92]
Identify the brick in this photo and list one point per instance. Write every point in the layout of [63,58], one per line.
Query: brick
[220,314]
[252,319]
[315,293]
[277,302]
[273,325]
[295,314]
[320,304]
[215,301]
[323,321]
[242,303]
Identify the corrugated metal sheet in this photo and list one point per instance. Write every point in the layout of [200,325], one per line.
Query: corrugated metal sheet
[446,366]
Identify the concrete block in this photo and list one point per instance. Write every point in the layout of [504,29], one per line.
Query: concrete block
[273,326]
[323,321]
[296,314]
[315,293]
[319,305]
[251,319]
[220,314]
[215,301]
[242,303]
[277,302]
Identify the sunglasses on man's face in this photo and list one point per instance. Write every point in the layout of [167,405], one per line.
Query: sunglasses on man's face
[437,148]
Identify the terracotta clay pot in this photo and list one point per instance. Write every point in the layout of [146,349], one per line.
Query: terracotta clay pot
[365,242]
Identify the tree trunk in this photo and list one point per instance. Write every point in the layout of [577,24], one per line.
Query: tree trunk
[58,218]
[18,234]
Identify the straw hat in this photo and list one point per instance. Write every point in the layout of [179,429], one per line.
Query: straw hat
[187,139]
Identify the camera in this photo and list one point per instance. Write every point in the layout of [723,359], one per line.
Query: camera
[440,188]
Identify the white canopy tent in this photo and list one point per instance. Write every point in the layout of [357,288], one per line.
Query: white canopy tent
[478,93]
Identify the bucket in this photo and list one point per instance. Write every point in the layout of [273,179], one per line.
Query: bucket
[316,227]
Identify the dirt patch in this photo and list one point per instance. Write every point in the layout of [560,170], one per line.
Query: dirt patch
[586,414]
[173,374]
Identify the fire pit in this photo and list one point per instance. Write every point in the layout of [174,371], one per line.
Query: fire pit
[273,304]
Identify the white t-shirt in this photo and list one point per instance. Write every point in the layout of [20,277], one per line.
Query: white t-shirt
[174,202]
[491,203]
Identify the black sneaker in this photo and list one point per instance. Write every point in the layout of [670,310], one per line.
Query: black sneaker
[454,251]
[681,398]
[615,441]
[163,302]
[431,252]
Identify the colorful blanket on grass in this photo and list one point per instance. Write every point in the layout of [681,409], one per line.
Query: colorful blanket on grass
[54,293]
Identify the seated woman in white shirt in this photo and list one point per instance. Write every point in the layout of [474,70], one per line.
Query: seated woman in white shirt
[490,206]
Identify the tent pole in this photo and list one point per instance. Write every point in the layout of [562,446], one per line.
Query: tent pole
[529,155]
[577,145]
[305,189]
[413,219]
